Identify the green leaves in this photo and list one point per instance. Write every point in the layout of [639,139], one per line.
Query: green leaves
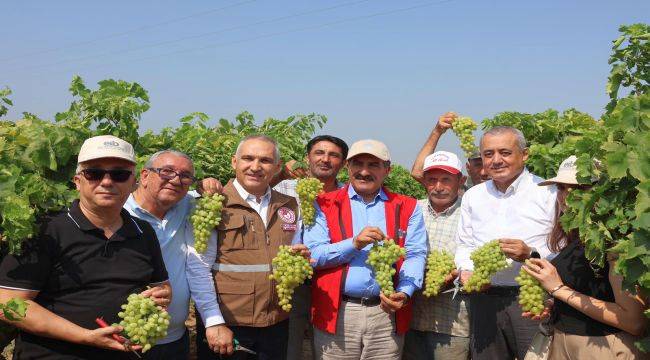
[4,101]
[630,62]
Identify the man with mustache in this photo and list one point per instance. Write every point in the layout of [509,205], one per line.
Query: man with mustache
[440,325]
[162,200]
[325,157]
[511,208]
[256,220]
[85,262]
[352,318]
[474,165]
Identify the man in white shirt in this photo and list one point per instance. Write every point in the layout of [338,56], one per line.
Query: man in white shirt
[511,208]
[163,201]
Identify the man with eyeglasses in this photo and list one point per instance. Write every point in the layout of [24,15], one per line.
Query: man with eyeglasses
[84,263]
[162,200]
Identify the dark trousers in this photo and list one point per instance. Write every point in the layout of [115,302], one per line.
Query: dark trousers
[497,330]
[269,342]
[179,349]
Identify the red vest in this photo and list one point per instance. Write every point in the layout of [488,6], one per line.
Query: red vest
[327,284]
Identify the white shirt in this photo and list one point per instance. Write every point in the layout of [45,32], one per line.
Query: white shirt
[261,207]
[525,211]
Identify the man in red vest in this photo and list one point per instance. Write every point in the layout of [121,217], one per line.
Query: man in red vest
[352,318]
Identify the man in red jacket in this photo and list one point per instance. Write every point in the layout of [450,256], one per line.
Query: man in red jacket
[352,318]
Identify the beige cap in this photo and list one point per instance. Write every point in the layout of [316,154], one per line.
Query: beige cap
[444,160]
[372,147]
[567,173]
[105,146]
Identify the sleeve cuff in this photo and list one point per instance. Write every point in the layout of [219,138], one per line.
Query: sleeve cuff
[347,249]
[214,319]
[407,288]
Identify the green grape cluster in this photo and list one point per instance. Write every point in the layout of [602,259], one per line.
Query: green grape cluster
[206,216]
[382,257]
[143,321]
[308,189]
[290,269]
[488,260]
[439,264]
[531,293]
[464,128]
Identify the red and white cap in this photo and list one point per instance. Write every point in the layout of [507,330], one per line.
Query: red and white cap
[443,160]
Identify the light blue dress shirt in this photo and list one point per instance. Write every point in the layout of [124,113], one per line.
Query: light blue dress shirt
[174,233]
[360,281]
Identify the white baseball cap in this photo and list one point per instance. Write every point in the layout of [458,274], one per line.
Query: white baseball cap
[567,173]
[372,147]
[105,146]
[443,160]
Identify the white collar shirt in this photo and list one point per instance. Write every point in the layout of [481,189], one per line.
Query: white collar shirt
[525,211]
[260,207]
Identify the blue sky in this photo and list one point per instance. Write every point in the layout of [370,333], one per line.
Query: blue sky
[376,69]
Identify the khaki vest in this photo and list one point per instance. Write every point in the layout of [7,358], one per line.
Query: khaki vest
[245,249]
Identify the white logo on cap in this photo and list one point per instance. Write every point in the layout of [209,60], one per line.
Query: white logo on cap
[441,157]
[111,143]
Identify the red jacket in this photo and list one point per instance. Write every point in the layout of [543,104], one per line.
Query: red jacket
[327,285]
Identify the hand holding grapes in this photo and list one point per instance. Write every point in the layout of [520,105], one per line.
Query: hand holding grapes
[220,339]
[160,294]
[393,302]
[367,236]
[303,250]
[515,249]
[445,121]
[209,186]
[545,272]
[548,306]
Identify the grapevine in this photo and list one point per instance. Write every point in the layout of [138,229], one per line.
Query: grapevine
[488,260]
[144,323]
[464,128]
[382,257]
[439,264]
[206,215]
[290,269]
[531,293]
[307,190]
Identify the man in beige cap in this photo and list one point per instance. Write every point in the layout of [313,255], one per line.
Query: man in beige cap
[352,318]
[85,262]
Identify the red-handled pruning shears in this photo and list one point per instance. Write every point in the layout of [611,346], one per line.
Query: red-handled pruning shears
[121,339]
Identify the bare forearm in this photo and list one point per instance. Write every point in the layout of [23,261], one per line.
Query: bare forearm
[630,320]
[428,148]
[42,322]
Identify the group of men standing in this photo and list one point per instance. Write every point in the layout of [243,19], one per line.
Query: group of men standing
[88,258]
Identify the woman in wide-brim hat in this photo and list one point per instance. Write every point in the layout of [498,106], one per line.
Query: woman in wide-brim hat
[592,316]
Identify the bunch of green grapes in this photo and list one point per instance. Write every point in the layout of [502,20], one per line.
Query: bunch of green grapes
[531,293]
[143,321]
[439,264]
[290,269]
[382,257]
[308,189]
[488,260]
[464,128]
[206,216]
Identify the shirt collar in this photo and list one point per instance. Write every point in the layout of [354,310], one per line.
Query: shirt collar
[514,186]
[353,194]
[129,227]
[248,196]
[446,211]
[135,206]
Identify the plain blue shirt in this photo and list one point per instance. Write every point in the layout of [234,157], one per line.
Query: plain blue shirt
[174,232]
[360,281]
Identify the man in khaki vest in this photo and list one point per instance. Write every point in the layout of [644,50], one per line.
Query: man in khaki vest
[256,220]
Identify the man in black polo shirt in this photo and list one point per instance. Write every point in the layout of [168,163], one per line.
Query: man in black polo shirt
[84,263]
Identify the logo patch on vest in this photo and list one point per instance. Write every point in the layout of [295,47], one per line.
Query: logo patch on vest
[287,215]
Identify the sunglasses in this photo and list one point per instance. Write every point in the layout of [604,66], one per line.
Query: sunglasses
[117,175]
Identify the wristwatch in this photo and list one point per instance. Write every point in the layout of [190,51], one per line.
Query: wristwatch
[534,254]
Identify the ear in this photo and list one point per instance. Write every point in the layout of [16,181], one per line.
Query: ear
[144,175]
[77,182]
[233,162]
[463,180]
[525,154]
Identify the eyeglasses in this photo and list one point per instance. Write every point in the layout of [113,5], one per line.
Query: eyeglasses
[117,175]
[169,174]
